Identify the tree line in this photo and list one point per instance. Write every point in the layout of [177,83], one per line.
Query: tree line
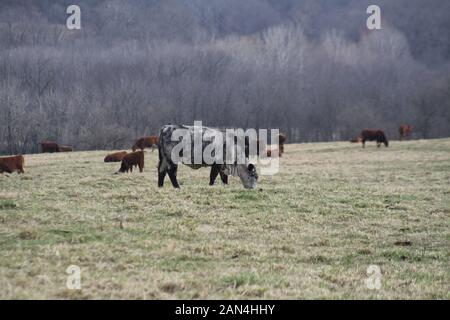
[137,65]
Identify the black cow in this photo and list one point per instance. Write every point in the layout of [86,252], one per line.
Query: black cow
[374,135]
[170,146]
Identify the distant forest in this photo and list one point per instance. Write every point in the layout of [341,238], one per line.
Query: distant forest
[308,67]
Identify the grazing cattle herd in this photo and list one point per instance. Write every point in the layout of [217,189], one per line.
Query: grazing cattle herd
[405,131]
[168,166]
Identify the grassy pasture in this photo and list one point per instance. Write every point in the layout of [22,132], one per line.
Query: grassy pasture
[309,232]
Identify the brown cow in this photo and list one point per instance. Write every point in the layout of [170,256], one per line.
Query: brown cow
[405,131]
[131,160]
[65,149]
[49,147]
[115,157]
[12,164]
[374,135]
[281,140]
[146,142]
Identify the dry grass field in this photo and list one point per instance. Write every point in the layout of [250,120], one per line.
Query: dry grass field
[309,232]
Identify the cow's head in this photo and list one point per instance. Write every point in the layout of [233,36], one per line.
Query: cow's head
[385,140]
[248,175]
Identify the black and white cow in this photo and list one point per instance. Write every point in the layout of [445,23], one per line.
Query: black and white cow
[168,165]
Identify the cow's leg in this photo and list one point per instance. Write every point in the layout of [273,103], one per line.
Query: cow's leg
[173,175]
[161,176]
[162,171]
[364,143]
[223,177]
[123,168]
[213,175]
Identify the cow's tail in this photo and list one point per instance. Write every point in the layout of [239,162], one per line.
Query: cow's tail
[22,163]
[160,144]
[165,135]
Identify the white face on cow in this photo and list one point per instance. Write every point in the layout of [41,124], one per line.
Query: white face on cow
[248,175]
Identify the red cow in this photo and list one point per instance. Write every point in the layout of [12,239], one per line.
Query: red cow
[146,142]
[12,164]
[405,131]
[131,160]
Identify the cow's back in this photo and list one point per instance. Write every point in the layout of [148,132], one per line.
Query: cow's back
[166,144]
[49,147]
[115,157]
[372,134]
[134,158]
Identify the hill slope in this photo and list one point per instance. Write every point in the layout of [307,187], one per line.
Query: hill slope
[309,232]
